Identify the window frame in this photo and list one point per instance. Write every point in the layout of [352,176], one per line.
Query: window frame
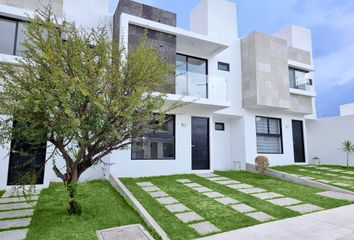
[206,68]
[159,159]
[18,21]
[220,124]
[280,135]
[294,70]
[224,64]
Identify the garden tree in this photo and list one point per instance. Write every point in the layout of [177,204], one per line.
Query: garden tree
[348,148]
[82,93]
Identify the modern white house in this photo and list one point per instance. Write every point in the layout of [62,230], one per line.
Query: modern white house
[251,95]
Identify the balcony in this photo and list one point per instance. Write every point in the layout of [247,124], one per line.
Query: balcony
[203,92]
[199,85]
[300,82]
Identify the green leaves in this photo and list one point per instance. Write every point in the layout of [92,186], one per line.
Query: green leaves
[84,91]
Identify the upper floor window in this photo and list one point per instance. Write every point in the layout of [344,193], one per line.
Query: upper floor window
[299,79]
[191,76]
[224,66]
[159,144]
[269,135]
[11,36]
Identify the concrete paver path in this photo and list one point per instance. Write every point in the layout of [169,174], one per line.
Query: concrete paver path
[333,224]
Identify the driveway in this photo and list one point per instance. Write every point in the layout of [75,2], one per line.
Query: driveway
[333,224]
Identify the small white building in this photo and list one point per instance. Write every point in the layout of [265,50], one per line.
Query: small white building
[253,95]
[346,109]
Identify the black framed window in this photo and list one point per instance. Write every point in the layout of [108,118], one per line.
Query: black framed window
[224,66]
[219,126]
[158,144]
[191,76]
[298,79]
[269,135]
[11,36]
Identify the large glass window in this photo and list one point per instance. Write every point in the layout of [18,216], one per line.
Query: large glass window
[191,76]
[299,79]
[11,36]
[157,144]
[269,135]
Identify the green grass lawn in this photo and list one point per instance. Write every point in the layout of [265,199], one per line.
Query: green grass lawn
[1,192]
[294,169]
[218,214]
[103,207]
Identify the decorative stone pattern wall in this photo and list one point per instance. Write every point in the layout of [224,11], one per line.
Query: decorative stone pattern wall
[165,44]
[299,55]
[265,76]
[300,104]
[56,5]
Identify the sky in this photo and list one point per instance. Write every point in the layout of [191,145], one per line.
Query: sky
[332,26]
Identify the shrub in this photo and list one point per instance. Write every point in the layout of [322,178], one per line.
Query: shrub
[262,163]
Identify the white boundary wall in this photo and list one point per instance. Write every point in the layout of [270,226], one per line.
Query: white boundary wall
[325,137]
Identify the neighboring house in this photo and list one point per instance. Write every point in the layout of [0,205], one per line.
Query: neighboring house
[250,96]
[346,109]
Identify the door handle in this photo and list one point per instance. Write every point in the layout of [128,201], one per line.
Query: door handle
[192,145]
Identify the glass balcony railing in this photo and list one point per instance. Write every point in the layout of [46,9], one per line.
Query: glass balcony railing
[201,86]
[299,79]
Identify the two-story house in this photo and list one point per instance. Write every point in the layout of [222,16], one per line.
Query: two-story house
[247,96]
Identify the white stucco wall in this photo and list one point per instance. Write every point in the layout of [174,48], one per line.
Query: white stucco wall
[347,109]
[251,138]
[325,137]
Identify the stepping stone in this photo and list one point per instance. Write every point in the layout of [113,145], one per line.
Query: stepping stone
[204,228]
[12,206]
[207,175]
[167,200]
[348,172]
[295,175]
[14,234]
[10,193]
[316,172]
[227,182]
[219,179]
[129,232]
[284,201]
[189,217]
[337,195]
[323,168]
[305,208]
[145,184]
[252,190]
[331,174]
[16,213]
[341,184]
[346,177]
[243,208]
[15,223]
[151,189]
[202,189]
[192,185]
[335,170]
[226,200]
[260,216]
[240,186]
[267,195]
[324,181]
[175,208]
[184,180]
[303,170]
[17,199]
[213,194]
[158,194]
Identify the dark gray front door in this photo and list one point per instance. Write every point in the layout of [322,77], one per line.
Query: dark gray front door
[200,143]
[298,141]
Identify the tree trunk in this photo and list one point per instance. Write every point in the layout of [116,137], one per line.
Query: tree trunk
[74,207]
[347,159]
